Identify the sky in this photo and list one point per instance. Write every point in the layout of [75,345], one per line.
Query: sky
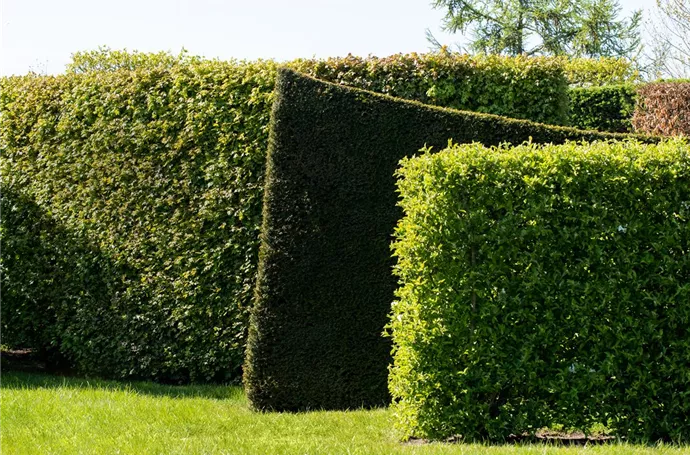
[41,35]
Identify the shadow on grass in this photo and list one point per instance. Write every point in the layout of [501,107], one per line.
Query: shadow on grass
[24,380]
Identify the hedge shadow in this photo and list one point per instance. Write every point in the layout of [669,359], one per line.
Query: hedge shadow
[50,274]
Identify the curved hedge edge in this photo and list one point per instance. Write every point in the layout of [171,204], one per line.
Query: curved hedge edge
[325,285]
[532,88]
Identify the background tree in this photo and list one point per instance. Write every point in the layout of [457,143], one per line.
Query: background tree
[669,33]
[586,28]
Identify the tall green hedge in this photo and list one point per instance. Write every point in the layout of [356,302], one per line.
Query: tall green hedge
[533,88]
[154,176]
[544,285]
[325,282]
[607,108]
[147,172]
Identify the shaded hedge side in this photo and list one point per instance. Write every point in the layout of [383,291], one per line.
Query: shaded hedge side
[609,108]
[41,273]
[544,286]
[325,283]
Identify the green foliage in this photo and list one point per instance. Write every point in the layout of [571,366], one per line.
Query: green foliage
[544,285]
[143,176]
[41,273]
[607,108]
[493,84]
[106,59]
[154,175]
[325,284]
[523,87]
[52,278]
[583,72]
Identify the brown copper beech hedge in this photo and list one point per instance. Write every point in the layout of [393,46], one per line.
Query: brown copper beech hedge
[664,109]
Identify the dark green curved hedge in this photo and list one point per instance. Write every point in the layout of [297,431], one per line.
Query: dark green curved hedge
[544,286]
[608,108]
[325,283]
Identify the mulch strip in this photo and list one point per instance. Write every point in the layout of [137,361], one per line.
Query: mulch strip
[22,360]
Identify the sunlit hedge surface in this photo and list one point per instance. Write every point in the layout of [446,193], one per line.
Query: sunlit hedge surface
[587,72]
[544,285]
[518,87]
[154,176]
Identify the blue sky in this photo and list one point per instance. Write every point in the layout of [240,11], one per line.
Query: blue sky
[40,35]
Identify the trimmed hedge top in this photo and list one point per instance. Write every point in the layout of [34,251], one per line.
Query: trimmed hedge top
[533,88]
[544,285]
[325,282]
[584,72]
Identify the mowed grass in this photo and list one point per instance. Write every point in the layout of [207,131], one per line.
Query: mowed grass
[43,414]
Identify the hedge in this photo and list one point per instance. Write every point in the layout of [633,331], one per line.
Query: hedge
[587,72]
[150,168]
[608,108]
[533,88]
[325,284]
[544,285]
[154,176]
[664,109]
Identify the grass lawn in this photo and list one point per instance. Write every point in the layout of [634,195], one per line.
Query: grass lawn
[43,414]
